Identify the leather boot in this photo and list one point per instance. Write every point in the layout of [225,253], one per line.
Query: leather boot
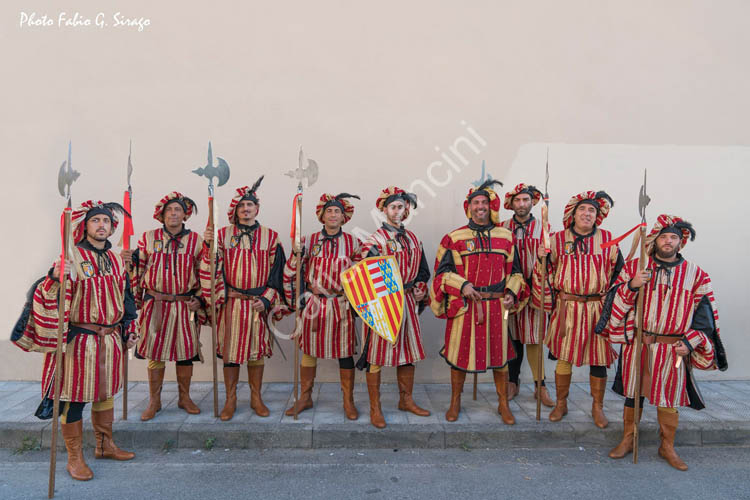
[598,386]
[155,381]
[105,446]
[184,374]
[458,378]
[73,436]
[347,389]
[501,387]
[231,376]
[562,386]
[546,400]
[255,379]
[667,430]
[307,379]
[405,377]
[628,423]
[373,389]
[513,390]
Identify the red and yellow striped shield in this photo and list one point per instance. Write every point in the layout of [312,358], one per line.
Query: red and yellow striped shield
[375,289]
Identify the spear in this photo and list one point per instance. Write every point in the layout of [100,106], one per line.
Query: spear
[643,201]
[541,326]
[127,232]
[65,178]
[221,172]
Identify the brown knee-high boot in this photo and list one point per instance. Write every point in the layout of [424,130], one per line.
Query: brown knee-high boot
[458,378]
[155,382]
[405,377]
[628,432]
[598,386]
[562,387]
[184,375]
[255,379]
[231,376]
[373,390]
[105,445]
[501,387]
[307,379]
[347,389]
[73,436]
[667,429]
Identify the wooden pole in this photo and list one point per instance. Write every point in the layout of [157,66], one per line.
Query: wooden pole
[541,331]
[638,347]
[297,287]
[212,270]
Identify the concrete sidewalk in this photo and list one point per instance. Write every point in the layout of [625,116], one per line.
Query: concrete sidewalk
[725,421]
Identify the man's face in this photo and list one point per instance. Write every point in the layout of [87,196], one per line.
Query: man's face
[521,204]
[174,215]
[584,218]
[667,245]
[394,212]
[99,227]
[479,208]
[333,217]
[246,211]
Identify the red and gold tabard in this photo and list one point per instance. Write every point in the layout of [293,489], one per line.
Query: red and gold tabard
[327,319]
[167,265]
[524,324]
[250,265]
[678,304]
[580,273]
[99,295]
[415,273]
[476,336]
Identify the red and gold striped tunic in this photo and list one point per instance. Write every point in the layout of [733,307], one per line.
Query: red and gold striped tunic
[99,295]
[167,265]
[327,319]
[678,302]
[250,263]
[524,324]
[415,273]
[484,257]
[580,273]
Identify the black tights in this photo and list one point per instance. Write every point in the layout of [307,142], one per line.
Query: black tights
[598,371]
[346,363]
[514,365]
[630,402]
[75,412]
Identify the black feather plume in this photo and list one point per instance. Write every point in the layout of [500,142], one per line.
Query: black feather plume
[489,183]
[113,207]
[189,201]
[341,196]
[411,198]
[603,194]
[257,184]
[685,225]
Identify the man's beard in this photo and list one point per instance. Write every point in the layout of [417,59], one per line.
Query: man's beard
[665,256]
[522,212]
[96,237]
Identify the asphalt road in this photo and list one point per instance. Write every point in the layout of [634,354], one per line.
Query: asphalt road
[721,472]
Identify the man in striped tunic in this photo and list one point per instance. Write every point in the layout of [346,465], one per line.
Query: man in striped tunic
[680,320]
[99,313]
[524,324]
[477,278]
[164,272]
[580,272]
[393,239]
[249,285]
[327,318]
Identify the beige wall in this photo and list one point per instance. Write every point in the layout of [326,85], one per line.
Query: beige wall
[377,93]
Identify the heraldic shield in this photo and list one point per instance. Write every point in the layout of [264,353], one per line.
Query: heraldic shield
[375,290]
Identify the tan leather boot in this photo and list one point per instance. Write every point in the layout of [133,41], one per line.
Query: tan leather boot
[598,386]
[546,400]
[501,387]
[73,436]
[184,375]
[373,390]
[458,378]
[667,430]
[347,389]
[105,445]
[562,386]
[155,381]
[255,379]
[628,432]
[231,376]
[307,380]
[405,377]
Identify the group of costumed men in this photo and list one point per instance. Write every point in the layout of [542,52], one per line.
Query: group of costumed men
[488,284]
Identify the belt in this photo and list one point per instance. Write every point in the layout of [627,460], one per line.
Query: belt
[326,294]
[580,298]
[234,294]
[655,338]
[480,307]
[100,331]
[164,297]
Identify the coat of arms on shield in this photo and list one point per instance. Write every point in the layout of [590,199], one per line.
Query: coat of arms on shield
[375,290]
